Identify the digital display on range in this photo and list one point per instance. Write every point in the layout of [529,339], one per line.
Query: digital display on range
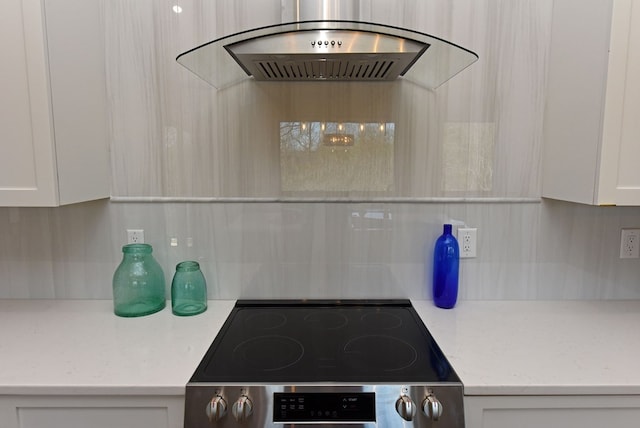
[321,406]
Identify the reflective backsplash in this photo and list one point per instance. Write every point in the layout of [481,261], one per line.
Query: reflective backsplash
[478,135]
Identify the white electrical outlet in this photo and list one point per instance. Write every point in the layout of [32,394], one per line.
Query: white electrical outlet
[467,241]
[630,244]
[135,236]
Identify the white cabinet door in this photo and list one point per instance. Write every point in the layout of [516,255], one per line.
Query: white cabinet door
[93,412]
[552,411]
[53,147]
[591,130]
[619,165]
[92,417]
[27,169]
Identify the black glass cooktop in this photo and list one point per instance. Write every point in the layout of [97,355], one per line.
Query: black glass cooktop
[290,342]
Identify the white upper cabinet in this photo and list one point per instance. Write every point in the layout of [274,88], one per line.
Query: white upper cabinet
[592,116]
[53,147]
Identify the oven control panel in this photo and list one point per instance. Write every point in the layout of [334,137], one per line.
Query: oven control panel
[324,407]
[358,406]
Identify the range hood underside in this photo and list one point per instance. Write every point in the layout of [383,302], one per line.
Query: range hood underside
[344,67]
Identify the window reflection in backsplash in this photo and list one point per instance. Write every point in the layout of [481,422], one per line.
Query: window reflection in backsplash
[336,156]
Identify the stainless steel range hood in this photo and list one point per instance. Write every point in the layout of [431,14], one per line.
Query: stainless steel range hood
[327,50]
[333,54]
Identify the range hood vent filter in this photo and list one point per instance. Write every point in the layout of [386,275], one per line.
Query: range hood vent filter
[326,69]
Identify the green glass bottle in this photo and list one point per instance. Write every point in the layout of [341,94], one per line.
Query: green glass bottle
[138,283]
[188,290]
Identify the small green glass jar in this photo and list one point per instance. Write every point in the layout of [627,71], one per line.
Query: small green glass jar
[138,283]
[188,290]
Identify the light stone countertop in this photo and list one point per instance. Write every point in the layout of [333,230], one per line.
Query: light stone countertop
[81,347]
[540,347]
[496,347]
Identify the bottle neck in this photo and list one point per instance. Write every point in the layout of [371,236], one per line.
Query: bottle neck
[137,249]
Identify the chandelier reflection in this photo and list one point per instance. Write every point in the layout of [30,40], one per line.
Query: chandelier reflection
[338,140]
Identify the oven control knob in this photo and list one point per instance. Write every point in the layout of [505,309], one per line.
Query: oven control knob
[216,408]
[432,408]
[242,408]
[405,408]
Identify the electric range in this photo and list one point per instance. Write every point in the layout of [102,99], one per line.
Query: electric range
[355,363]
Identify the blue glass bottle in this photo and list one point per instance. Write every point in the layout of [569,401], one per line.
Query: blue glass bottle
[446,261]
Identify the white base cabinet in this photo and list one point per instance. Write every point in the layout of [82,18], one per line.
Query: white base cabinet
[61,411]
[591,126]
[53,116]
[553,411]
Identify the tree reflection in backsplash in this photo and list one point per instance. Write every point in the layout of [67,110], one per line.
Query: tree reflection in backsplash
[337,156]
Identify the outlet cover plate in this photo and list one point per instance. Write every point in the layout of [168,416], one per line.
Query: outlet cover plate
[135,236]
[630,244]
[467,241]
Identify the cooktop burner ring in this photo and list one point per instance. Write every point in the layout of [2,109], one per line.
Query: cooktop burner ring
[266,320]
[332,320]
[270,353]
[382,320]
[361,358]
